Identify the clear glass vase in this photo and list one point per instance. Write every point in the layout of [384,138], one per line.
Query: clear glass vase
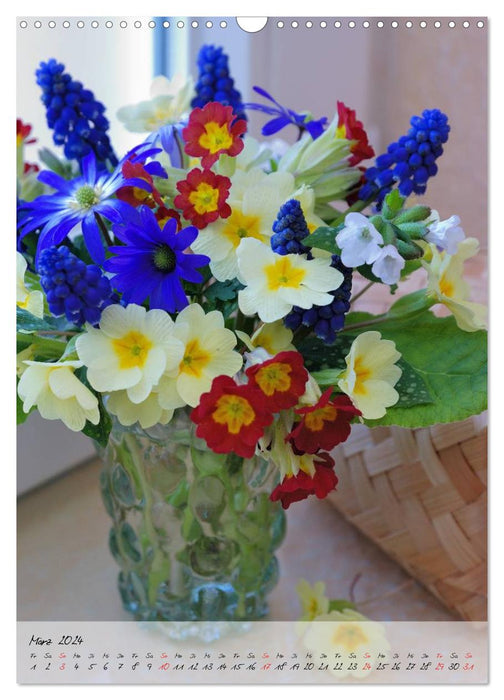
[194,533]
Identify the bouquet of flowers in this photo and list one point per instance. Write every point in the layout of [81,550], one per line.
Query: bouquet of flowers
[207,271]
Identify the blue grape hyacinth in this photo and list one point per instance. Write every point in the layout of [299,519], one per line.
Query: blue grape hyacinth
[325,321]
[75,116]
[290,229]
[215,83]
[410,161]
[73,289]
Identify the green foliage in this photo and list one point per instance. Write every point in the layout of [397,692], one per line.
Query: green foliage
[324,238]
[99,433]
[451,363]
[28,323]
[340,604]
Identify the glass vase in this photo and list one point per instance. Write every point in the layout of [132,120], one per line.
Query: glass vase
[193,532]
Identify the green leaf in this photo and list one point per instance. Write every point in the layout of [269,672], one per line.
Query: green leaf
[392,204]
[28,323]
[340,604]
[323,238]
[224,291]
[420,212]
[411,387]
[410,304]
[452,364]
[99,433]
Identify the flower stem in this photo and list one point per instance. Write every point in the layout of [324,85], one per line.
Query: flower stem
[103,228]
[363,324]
[362,291]
[358,206]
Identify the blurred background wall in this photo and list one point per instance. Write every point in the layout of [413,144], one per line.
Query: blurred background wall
[385,74]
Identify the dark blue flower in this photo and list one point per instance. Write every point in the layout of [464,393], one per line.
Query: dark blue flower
[282,116]
[152,262]
[78,201]
[77,119]
[290,229]
[410,161]
[72,288]
[325,321]
[215,83]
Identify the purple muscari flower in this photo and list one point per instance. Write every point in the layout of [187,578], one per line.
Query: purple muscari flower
[152,262]
[282,116]
[79,201]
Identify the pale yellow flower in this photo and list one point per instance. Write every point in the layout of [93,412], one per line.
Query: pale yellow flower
[371,374]
[273,337]
[312,599]
[147,413]
[131,350]
[208,351]
[170,100]
[447,286]
[57,393]
[25,299]
[347,632]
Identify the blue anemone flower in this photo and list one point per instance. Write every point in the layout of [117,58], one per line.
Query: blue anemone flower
[282,116]
[78,201]
[152,262]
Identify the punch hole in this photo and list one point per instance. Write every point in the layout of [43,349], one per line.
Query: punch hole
[252,24]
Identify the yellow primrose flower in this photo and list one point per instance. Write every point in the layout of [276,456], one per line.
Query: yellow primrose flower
[147,413]
[207,353]
[347,632]
[273,337]
[31,301]
[275,283]
[57,393]
[312,599]
[170,99]
[371,374]
[131,350]
[255,199]
[447,286]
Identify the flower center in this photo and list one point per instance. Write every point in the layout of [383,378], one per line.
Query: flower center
[362,373]
[314,420]
[445,287]
[164,258]
[132,349]
[204,198]
[240,226]
[216,137]
[274,377]
[233,411]
[86,197]
[284,274]
[349,636]
[195,359]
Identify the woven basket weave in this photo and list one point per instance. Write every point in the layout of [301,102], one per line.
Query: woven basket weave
[420,495]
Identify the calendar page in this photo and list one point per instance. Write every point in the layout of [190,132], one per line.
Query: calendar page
[251,307]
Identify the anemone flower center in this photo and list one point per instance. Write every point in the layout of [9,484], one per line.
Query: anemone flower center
[86,196]
[164,258]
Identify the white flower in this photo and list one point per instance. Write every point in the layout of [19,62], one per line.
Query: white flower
[131,350]
[255,198]
[446,234]
[276,283]
[31,301]
[57,393]
[273,337]
[359,241]
[207,352]
[170,100]
[447,285]
[388,265]
[312,598]
[147,413]
[371,374]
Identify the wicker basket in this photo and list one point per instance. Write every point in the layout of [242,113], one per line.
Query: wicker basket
[420,495]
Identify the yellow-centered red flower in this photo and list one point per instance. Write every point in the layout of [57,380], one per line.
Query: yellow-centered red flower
[202,197]
[213,130]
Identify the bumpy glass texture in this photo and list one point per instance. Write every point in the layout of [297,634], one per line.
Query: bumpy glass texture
[193,532]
